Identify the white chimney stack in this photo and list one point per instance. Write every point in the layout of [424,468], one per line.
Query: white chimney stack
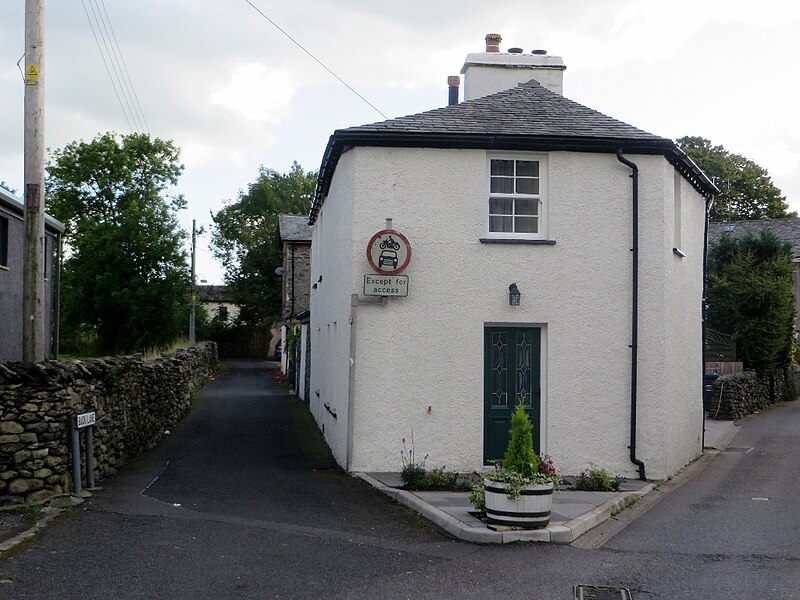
[493,71]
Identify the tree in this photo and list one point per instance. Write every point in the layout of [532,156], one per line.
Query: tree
[746,189]
[245,238]
[750,294]
[125,276]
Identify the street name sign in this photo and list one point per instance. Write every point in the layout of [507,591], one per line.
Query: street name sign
[85,420]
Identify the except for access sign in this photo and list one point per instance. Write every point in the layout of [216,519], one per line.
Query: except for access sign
[386,285]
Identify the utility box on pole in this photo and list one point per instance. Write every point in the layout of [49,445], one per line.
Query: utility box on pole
[33,330]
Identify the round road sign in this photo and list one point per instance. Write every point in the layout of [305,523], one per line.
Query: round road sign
[389,252]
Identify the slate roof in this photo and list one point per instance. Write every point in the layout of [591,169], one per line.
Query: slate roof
[213,293]
[786,230]
[294,228]
[528,109]
[527,117]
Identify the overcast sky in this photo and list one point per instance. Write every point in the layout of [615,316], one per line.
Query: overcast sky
[234,93]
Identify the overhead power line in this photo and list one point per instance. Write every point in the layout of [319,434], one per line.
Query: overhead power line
[114,62]
[319,62]
[124,68]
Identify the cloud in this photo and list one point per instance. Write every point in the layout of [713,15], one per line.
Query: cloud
[257,93]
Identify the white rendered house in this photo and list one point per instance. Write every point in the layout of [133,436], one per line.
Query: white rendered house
[599,225]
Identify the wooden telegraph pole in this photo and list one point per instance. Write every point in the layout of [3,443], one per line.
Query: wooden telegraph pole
[193,304]
[33,333]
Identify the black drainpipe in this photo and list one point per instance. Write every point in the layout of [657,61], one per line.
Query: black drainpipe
[634,304]
[703,313]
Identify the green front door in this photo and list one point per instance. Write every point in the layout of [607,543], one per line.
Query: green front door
[511,371]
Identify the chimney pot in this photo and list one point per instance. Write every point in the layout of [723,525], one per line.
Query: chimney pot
[453,83]
[542,52]
[493,42]
[515,50]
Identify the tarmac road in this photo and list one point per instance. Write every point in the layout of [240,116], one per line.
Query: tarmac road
[238,502]
[232,504]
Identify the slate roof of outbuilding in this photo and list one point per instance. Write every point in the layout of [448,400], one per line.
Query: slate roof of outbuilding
[528,117]
[213,293]
[786,230]
[294,228]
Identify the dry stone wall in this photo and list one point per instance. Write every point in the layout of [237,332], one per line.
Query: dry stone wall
[134,402]
[737,395]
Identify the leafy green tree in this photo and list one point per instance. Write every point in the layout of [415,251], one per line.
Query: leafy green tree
[750,294]
[245,238]
[125,276]
[746,189]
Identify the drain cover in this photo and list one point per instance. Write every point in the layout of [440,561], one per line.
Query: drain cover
[594,592]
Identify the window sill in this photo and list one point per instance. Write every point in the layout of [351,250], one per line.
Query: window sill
[517,241]
[5,268]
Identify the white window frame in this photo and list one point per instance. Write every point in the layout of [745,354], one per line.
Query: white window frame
[541,196]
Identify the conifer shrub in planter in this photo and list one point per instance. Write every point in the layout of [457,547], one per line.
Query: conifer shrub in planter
[520,492]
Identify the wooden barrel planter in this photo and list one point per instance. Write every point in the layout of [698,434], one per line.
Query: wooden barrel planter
[531,510]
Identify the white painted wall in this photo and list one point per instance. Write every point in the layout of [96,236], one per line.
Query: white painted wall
[330,309]
[489,72]
[302,392]
[426,350]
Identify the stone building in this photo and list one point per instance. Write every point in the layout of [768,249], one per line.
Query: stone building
[294,238]
[216,301]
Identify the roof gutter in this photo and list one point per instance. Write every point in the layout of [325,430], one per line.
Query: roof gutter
[634,305]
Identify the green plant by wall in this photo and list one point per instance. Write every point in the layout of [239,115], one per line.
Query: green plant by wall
[293,338]
[413,471]
[597,480]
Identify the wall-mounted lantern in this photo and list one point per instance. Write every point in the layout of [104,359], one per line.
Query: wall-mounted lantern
[513,295]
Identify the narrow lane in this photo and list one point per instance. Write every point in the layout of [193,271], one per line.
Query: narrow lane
[746,504]
[238,501]
[250,450]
